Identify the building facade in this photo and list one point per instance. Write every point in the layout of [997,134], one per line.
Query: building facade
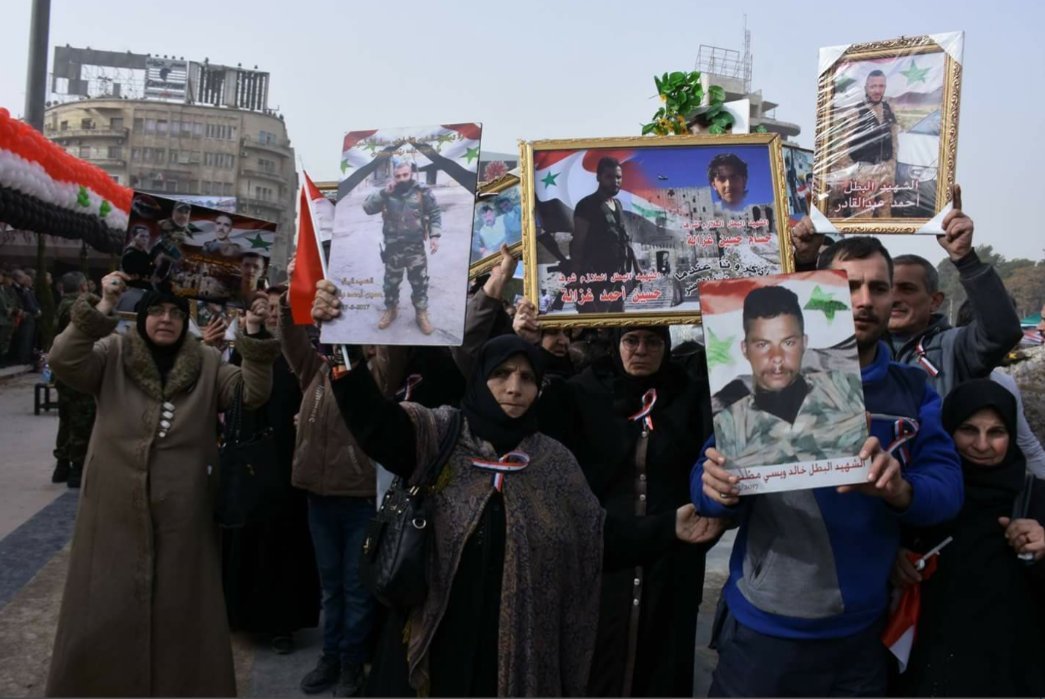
[175,149]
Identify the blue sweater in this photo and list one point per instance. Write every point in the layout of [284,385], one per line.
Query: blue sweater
[815,563]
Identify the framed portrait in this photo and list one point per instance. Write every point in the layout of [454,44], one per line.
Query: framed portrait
[787,398]
[401,235]
[887,135]
[620,231]
[798,174]
[498,219]
[194,251]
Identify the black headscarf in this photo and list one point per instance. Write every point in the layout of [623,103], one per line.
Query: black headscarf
[965,400]
[627,389]
[486,418]
[163,356]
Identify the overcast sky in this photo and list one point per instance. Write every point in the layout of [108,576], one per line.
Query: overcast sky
[575,68]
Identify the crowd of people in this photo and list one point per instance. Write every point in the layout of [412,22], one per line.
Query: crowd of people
[571,520]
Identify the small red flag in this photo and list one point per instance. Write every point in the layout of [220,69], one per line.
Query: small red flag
[308,268]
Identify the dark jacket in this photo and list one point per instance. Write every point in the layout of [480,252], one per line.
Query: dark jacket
[953,355]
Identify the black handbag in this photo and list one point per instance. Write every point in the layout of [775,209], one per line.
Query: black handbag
[248,475]
[395,549]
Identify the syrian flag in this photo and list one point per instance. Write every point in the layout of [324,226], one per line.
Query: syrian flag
[902,628]
[308,263]
[464,148]
[562,178]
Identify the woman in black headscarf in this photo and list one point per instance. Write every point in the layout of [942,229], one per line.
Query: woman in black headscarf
[513,577]
[981,631]
[636,421]
[143,613]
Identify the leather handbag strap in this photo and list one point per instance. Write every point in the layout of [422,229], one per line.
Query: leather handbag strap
[446,446]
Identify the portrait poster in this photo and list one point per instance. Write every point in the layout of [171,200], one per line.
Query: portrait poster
[194,251]
[623,231]
[787,398]
[798,174]
[402,230]
[887,135]
[498,220]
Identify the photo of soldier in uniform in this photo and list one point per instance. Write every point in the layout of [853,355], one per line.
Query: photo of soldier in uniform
[633,228]
[402,235]
[194,251]
[783,370]
[798,174]
[882,127]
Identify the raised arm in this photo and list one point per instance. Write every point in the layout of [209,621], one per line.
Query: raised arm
[79,353]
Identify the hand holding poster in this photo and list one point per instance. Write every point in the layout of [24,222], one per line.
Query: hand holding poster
[787,397]
[194,251]
[404,209]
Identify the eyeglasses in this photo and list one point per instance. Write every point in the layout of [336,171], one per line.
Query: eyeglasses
[160,311]
[652,342]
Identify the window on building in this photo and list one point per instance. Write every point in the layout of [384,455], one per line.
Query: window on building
[232,133]
[161,126]
[175,127]
[172,186]
[156,184]
[85,152]
[172,156]
[64,126]
[194,157]
[136,155]
[266,165]
[139,124]
[116,123]
[226,189]
[150,126]
[86,123]
[263,193]
[205,187]
[115,152]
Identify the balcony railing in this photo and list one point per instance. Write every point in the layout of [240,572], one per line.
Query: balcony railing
[278,146]
[88,133]
[274,176]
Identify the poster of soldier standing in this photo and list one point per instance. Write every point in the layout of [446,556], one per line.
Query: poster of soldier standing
[787,399]
[194,251]
[402,235]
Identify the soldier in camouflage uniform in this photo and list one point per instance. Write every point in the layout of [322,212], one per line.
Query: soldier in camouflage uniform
[411,216]
[792,415]
[75,409]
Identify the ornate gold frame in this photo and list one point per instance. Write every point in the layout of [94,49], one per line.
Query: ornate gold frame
[948,130]
[489,189]
[529,242]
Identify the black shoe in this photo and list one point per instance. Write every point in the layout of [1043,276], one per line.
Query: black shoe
[75,474]
[323,676]
[61,471]
[350,684]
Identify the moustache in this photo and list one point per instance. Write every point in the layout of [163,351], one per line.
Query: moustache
[866,317]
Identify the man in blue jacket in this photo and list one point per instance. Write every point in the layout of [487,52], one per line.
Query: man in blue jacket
[807,594]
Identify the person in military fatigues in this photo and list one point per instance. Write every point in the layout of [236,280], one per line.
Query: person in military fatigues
[75,409]
[411,217]
[791,415]
[9,307]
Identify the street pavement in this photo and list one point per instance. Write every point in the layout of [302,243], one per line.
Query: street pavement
[36,524]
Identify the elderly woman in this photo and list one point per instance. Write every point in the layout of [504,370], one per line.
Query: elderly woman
[981,631]
[514,576]
[143,613]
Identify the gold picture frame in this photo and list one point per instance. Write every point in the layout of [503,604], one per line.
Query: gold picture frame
[899,188]
[489,190]
[675,226]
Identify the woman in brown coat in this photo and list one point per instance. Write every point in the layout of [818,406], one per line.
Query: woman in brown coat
[143,612]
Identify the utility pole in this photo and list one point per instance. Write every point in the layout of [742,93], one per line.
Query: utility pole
[36,77]
[35,94]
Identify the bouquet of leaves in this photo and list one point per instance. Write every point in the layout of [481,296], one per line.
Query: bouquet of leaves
[682,95]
